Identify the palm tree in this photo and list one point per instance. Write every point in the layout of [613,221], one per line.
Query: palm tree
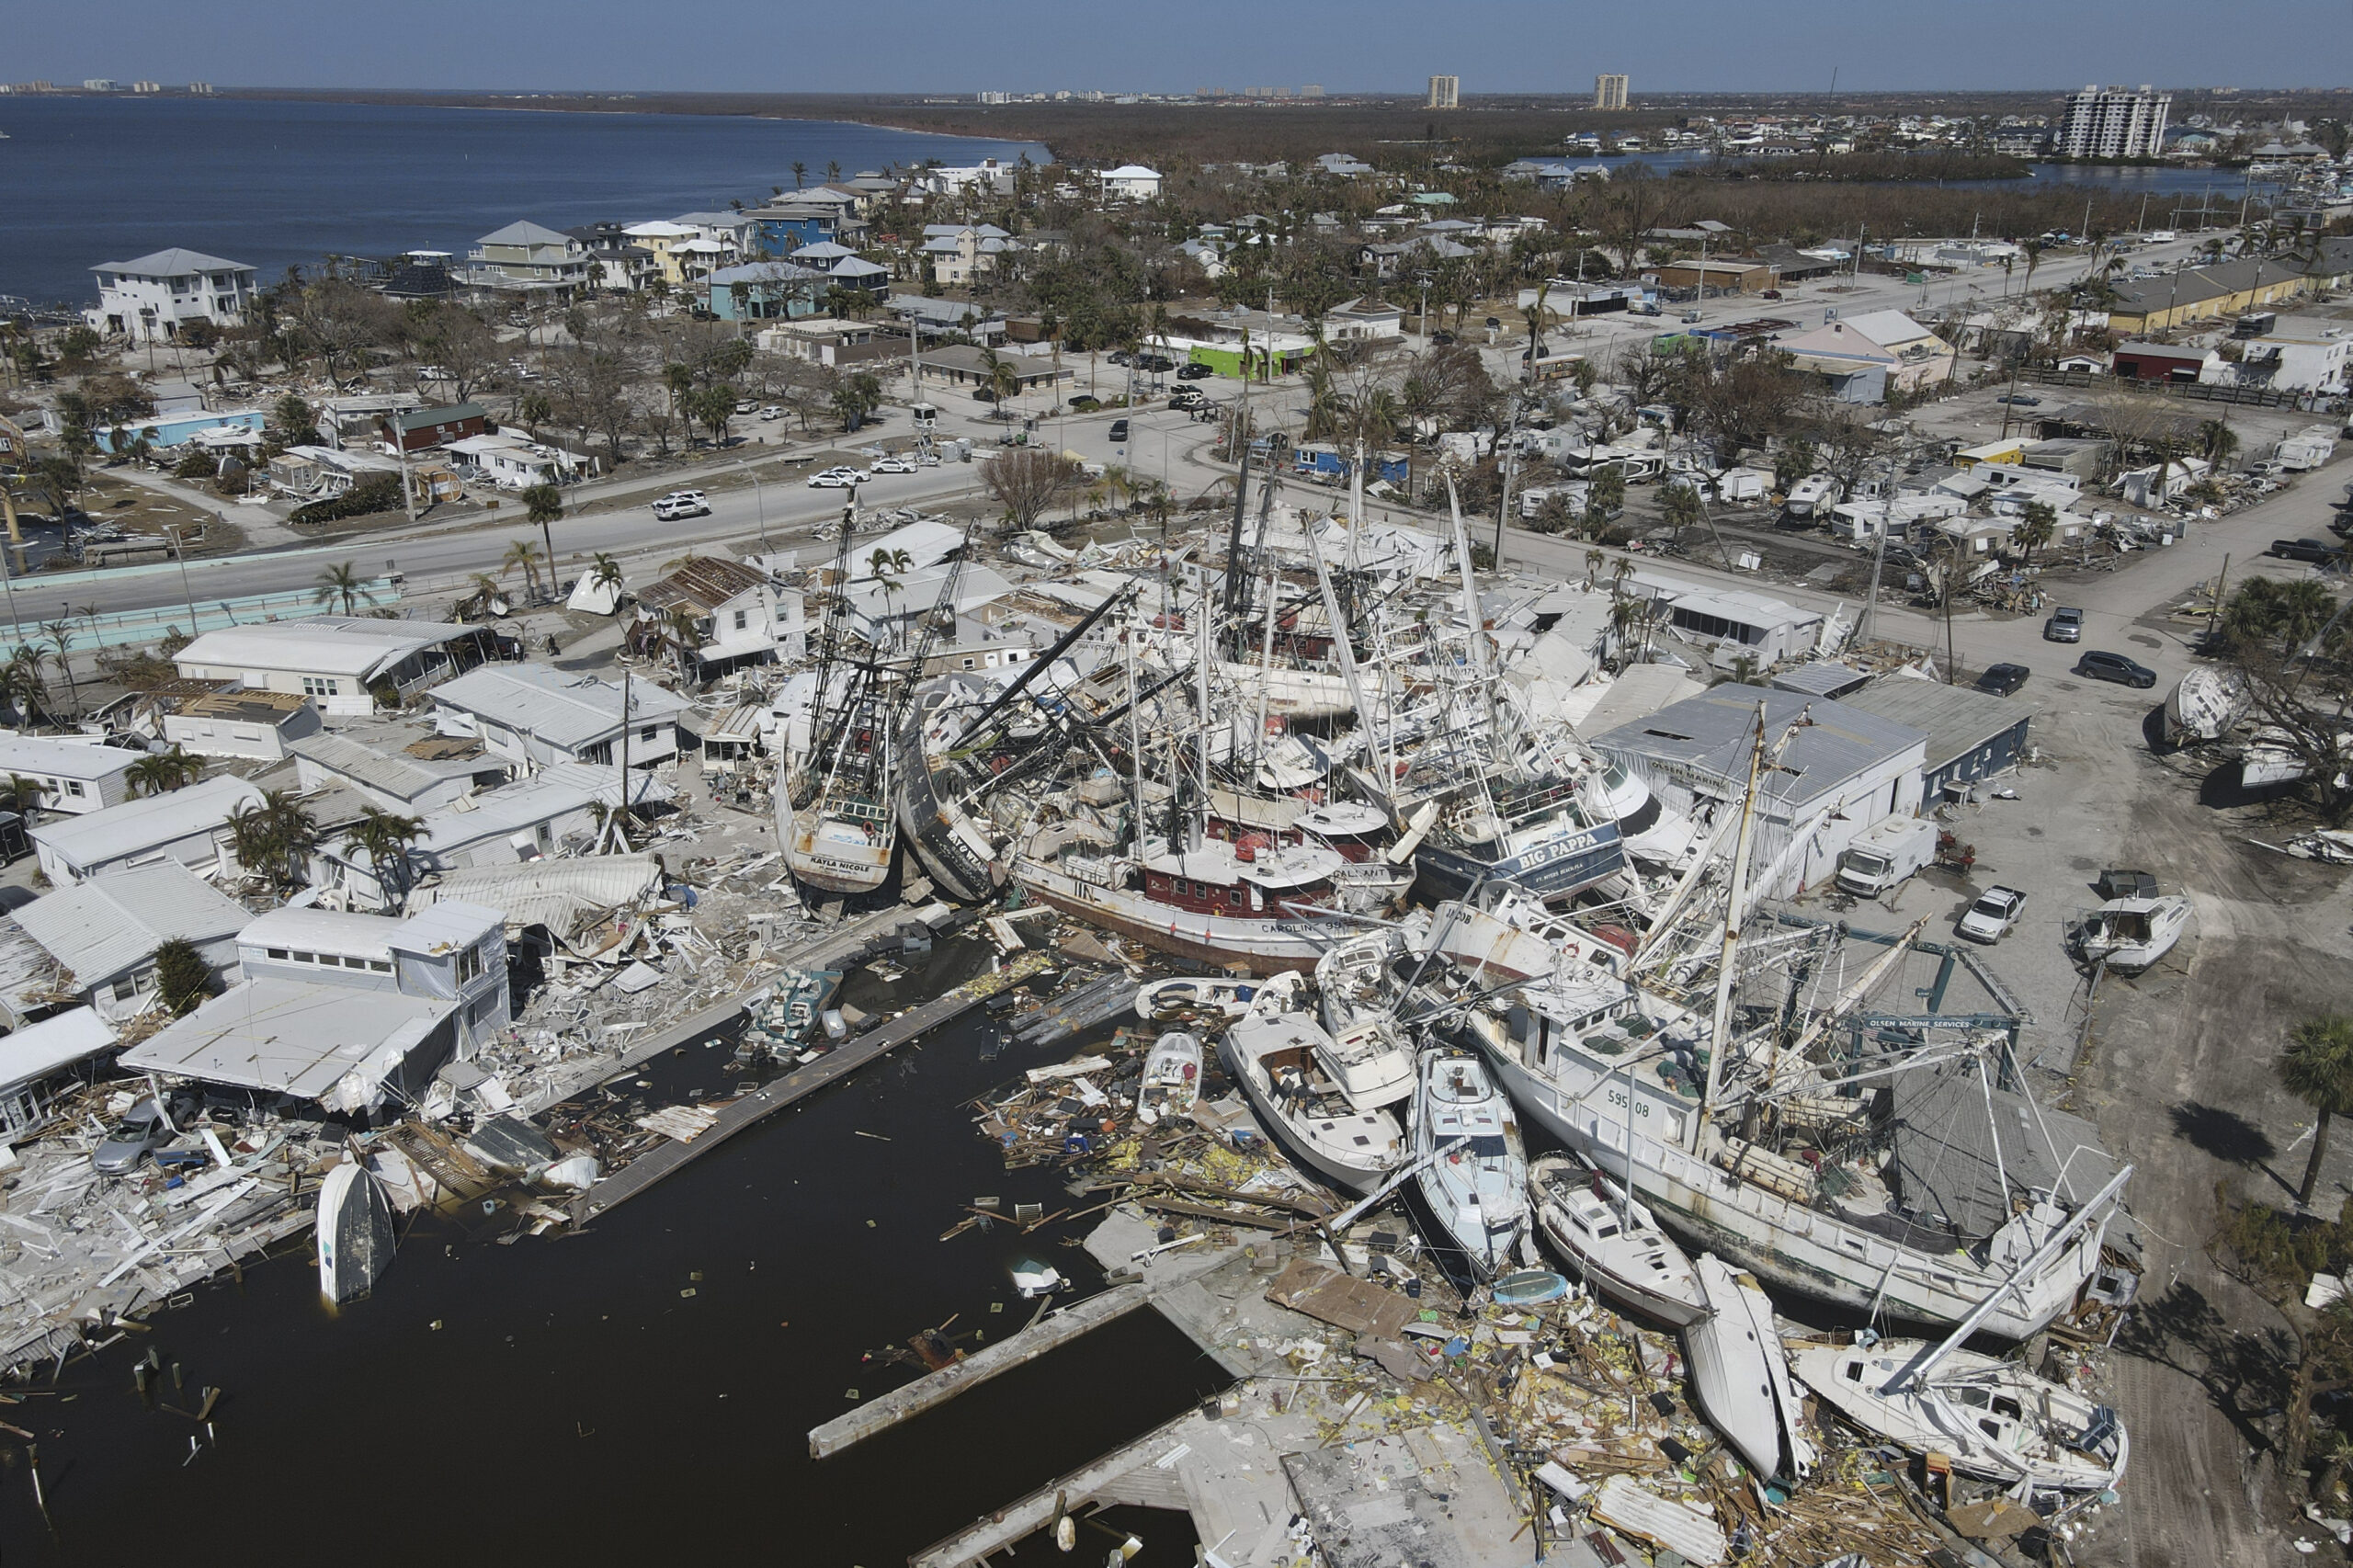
[2037,526]
[523,556]
[60,639]
[606,574]
[1593,559]
[543,504]
[22,684]
[2217,441]
[486,593]
[160,773]
[24,795]
[2317,1068]
[680,630]
[384,837]
[343,583]
[800,174]
[275,838]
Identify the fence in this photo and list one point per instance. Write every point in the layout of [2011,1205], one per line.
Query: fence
[2253,397]
[129,627]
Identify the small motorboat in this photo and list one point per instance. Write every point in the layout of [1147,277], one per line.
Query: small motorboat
[1477,1189]
[1172,1077]
[1167,1001]
[2132,934]
[1033,1278]
[1277,1058]
[354,1232]
[1530,1288]
[1614,1244]
[1994,1418]
[1740,1378]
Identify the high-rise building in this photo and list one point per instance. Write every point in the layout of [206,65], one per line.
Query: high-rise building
[1444,92]
[2113,122]
[1609,91]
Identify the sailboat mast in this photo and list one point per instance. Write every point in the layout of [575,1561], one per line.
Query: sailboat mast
[1727,961]
[1135,743]
[1343,648]
[1201,671]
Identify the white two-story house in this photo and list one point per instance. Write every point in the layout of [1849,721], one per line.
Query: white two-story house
[733,614]
[151,298]
[536,716]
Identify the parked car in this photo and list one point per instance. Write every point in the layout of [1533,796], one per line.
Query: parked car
[1188,397]
[1085,404]
[1990,917]
[2115,884]
[2003,680]
[1121,356]
[2115,667]
[1120,432]
[983,394]
[2019,400]
[1158,364]
[894,465]
[670,509]
[1441,338]
[2315,550]
[2066,625]
[831,479]
[145,1128]
[1771,295]
[1191,372]
[772,411]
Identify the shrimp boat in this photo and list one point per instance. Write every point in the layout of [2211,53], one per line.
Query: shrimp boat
[1274,1056]
[1215,903]
[2129,934]
[1477,1192]
[1613,1243]
[842,830]
[1740,1377]
[1817,1172]
[1995,1419]
[1172,1077]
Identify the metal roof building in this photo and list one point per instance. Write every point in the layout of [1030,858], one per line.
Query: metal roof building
[185,825]
[75,776]
[1971,734]
[39,1051]
[1842,771]
[107,930]
[538,715]
[394,781]
[340,1047]
[336,659]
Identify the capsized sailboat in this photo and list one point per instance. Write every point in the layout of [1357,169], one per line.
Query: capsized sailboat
[1740,1378]
[1993,1418]
[355,1231]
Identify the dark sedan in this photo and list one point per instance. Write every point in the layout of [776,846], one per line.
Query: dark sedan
[2003,680]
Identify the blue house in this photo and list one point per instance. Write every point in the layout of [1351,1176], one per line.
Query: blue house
[780,231]
[766,291]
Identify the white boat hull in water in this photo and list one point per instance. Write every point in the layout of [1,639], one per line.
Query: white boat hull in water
[1995,1419]
[1739,1377]
[354,1232]
[1273,1056]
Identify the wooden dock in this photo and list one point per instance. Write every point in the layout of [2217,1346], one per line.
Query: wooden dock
[938,1388]
[794,1086]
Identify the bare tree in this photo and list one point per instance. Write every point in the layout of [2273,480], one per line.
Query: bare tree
[1028,482]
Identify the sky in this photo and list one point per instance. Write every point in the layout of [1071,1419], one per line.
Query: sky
[956,46]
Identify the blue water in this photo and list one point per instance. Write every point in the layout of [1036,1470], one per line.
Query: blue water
[2164,184]
[283,184]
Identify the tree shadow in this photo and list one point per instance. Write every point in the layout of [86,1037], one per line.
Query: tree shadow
[2226,1134]
[2246,1373]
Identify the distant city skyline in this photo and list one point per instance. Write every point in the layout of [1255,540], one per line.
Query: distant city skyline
[1522,46]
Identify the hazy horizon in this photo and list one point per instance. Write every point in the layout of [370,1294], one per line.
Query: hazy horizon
[1369,45]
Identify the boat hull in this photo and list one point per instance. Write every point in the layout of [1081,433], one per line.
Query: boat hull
[1263,947]
[942,837]
[354,1232]
[1616,1285]
[1730,1381]
[1556,869]
[1940,1425]
[1786,1244]
[1357,1177]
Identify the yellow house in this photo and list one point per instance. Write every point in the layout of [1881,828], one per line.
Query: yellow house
[2005,451]
[668,243]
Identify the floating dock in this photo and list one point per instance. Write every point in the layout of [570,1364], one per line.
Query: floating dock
[1019,1350]
[798,1084]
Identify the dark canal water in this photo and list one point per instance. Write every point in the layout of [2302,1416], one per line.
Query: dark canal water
[563,1401]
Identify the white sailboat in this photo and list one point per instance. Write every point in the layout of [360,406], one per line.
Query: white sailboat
[1740,1378]
[1477,1192]
[2204,706]
[1992,1419]
[1614,1243]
